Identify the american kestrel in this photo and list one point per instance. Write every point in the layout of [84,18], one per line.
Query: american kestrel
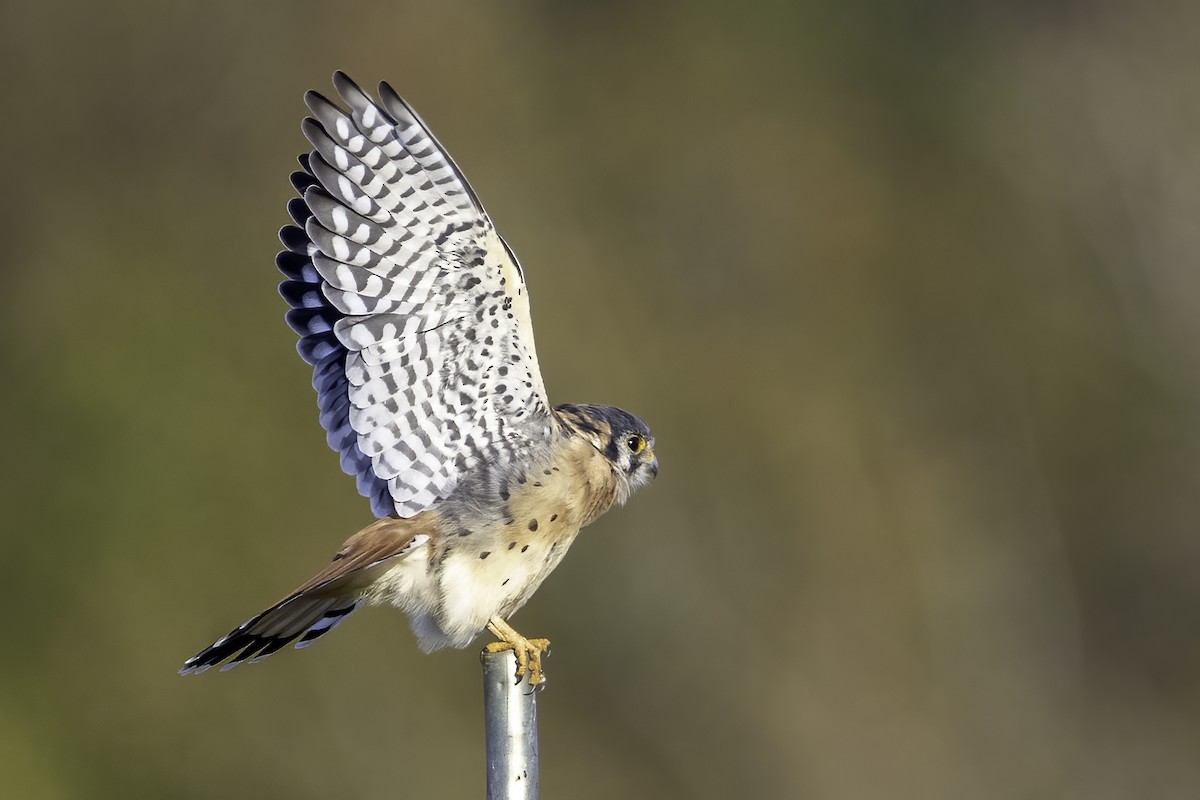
[414,314]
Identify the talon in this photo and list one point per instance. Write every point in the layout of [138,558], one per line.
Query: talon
[527,651]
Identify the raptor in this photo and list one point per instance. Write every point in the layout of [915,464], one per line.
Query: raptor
[414,315]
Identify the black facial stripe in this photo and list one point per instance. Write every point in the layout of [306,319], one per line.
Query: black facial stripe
[598,416]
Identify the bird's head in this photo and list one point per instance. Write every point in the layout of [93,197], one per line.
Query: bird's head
[622,438]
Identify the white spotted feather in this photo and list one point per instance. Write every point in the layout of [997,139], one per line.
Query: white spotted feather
[426,299]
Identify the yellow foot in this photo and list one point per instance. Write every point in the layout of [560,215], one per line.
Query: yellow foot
[528,651]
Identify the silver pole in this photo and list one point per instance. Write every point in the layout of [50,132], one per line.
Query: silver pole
[510,726]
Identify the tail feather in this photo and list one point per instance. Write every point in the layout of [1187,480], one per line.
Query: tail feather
[296,618]
[300,617]
[322,602]
[324,625]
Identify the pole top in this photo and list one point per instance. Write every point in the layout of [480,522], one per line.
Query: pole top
[510,729]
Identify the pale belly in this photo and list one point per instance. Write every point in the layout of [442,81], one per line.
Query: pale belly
[480,577]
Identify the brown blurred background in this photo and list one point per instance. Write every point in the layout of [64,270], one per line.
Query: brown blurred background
[908,293]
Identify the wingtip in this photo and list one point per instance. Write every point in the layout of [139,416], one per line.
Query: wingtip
[295,239]
[343,83]
[312,130]
[298,209]
[385,90]
[317,103]
[396,105]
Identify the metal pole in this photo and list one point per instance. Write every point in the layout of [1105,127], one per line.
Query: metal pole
[510,726]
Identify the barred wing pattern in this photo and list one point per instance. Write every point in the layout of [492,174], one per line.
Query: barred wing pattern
[410,307]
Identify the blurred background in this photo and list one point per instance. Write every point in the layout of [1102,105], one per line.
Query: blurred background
[907,292]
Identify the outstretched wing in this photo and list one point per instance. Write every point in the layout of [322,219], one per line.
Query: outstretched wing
[410,307]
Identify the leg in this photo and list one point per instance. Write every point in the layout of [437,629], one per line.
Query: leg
[528,651]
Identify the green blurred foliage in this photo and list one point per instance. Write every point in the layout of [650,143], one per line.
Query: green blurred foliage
[908,293]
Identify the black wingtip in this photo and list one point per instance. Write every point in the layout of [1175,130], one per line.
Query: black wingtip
[298,209]
[302,180]
[296,267]
[295,239]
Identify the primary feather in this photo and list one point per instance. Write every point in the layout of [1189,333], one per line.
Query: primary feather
[409,306]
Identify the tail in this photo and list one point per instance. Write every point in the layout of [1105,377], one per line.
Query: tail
[299,617]
[322,602]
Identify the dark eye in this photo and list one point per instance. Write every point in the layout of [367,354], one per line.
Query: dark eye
[636,444]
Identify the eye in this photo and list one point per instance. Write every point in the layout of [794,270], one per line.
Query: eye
[636,444]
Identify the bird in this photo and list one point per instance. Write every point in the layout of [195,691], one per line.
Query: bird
[413,312]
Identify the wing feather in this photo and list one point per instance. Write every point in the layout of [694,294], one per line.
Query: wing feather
[409,305]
